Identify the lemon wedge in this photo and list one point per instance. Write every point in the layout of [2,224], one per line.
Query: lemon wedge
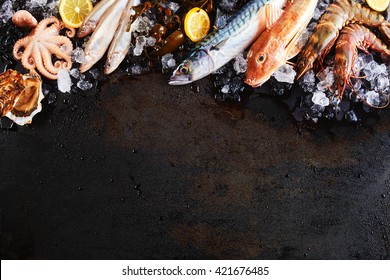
[73,12]
[378,5]
[196,24]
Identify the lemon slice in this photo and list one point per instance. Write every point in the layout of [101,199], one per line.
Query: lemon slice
[73,12]
[196,24]
[378,5]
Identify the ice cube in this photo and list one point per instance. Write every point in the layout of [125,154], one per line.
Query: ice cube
[75,73]
[151,41]
[137,51]
[351,116]
[308,81]
[228,5]
[51,9]
[225,89]
[78,55]
[171,63]
[326,79]
[236,84]
[140,43]
[317,109]
[38,3]
[320,98]
[95,73]
[64,82]
[173,6]
[240,64]
[165,61]
[285,74]
[373,70]
[6,11]
[134,70]
[220,19]
[381,83]
[362,61]
[373,98]
[144,24]
[84,85]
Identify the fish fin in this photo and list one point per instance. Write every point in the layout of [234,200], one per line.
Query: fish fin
[272,14]
[294,51]
[219,45]
[291,63]
[292,47]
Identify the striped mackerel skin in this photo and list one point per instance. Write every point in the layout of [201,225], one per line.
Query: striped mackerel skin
[234,26]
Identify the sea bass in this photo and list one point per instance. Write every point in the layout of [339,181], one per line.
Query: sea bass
[276,46]
[222,45]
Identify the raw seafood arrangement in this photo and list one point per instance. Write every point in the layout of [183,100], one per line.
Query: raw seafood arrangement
[326,59]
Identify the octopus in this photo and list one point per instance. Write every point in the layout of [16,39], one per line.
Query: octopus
[45,49]
[20,96]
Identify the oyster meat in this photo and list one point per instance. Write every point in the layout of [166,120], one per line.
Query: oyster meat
[20,96]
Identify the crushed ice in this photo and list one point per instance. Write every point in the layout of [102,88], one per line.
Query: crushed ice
[64,81]
[168,62]
[240,64]
[78,55]
[285,74]
[6,11]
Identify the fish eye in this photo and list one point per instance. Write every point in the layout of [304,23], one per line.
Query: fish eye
[262,58]
[184,70]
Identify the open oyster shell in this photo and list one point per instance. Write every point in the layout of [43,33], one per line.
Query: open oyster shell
[20,96]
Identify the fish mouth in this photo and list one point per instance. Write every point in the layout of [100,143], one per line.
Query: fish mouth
[253,82]
[177,80]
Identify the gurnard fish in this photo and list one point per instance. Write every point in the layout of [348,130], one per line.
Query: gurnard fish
[276,46]
[222,45]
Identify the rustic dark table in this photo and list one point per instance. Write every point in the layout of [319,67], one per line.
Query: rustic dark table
[143,170]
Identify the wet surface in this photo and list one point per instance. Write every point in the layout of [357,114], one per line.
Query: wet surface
[143,170]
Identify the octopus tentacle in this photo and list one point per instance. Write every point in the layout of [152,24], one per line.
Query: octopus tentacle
[58,51]
[41,68]
[21,44]
[70,31]
[30,56]
[47,60]
[64,43]
[50,27]
[44,24]
[65,58]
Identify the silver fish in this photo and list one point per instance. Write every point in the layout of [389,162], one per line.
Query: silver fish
[102,37]
[222,45]
[122,39]
[91,21]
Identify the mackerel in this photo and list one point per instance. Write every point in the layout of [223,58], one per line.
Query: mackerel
[222,45]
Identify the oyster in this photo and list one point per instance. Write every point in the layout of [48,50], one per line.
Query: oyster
[20,96]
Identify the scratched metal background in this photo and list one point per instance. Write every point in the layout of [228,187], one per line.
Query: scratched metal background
[143,170]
